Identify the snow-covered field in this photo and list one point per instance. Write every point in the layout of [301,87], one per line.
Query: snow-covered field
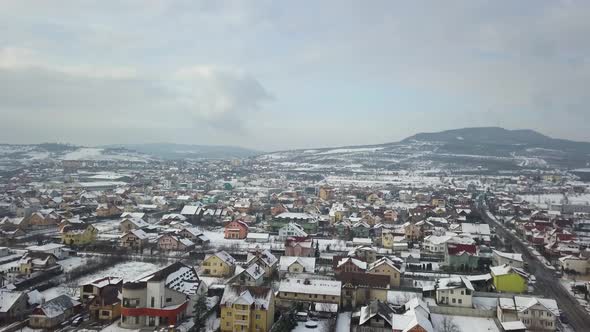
[466,324]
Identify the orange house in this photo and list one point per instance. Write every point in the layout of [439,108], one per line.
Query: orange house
[236,229]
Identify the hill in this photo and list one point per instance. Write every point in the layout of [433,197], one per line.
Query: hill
[490,148]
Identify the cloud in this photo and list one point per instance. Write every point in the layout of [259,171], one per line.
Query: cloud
[61,96]
[221,96]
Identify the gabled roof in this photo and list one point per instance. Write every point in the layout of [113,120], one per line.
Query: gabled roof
[177,276]
[247,295]
[376,308]
[523,303]
[223,256]
[56,306]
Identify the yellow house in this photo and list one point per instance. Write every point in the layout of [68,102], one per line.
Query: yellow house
[220,264]
[246,308]
[387,239]
[79,235]
[384,266]
[509,279]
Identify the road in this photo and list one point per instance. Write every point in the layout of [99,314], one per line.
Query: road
[547,283]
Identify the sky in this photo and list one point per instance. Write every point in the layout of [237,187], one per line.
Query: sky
[274,75]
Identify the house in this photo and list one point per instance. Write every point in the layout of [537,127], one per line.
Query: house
[537,314]
[308,221]
[53,312]
[385,266]
[58,250]
[574,263]
[300,247]
[252,275]
[134,239]
[292,264]
[13,305]
[375,317]
[162,298]
[291,230]
[246,308]
[264,258]
[79,235]
[220,264]
[236,229]
[195,235]
[501,258]
[171,242]
[43,219]
[454,291]
[258,237]
[33,262]
[412,231]
[359,288]
[130,223]
[108,210]
[307,291]
[360,229]
[347,264]
[416,318]
[364,252]
[509,279]
[102,298]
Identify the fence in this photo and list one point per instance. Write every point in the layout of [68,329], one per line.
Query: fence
[460,311]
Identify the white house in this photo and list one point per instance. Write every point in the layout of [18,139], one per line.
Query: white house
[455,291]
[512,259]
[291,230]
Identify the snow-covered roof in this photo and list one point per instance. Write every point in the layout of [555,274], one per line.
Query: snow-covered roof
[360,264]
[483,229]
[7,299]
[381,261]
[177,276]
[455,282]
[139,215]
[311,286]
[308,263]
[524,303]
[100,283]
[507,269]
[245,295]
[189,210]
[507,255]
[137,222]
[57,306]
[223,256]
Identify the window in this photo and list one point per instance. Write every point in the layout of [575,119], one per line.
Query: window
[454,300]
[462,292]
[229,314]
[452,291]
[105,313]
[257,317]
[153,302]
[460,301]
[168,299]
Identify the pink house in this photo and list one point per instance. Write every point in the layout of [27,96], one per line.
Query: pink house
[236,229]
[297,246]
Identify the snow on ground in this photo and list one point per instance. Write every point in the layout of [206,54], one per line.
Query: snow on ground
[542,198]
[213,322]
[128,271]
[322,326]
[343,322]
[108,226]
[71,263]
[351,150]
[116,328]
[466,324]
[83,154]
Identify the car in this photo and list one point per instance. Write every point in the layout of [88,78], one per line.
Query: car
[77,321]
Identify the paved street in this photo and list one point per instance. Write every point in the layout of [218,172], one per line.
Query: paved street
[547,283]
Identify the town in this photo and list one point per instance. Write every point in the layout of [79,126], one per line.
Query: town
[257,244]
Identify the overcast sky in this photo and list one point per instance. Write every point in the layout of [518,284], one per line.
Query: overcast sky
[283,74]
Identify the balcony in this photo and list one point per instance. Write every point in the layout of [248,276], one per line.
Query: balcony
[241,322]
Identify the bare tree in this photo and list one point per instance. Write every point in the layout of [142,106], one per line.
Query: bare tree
[448,325]
[71,288]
